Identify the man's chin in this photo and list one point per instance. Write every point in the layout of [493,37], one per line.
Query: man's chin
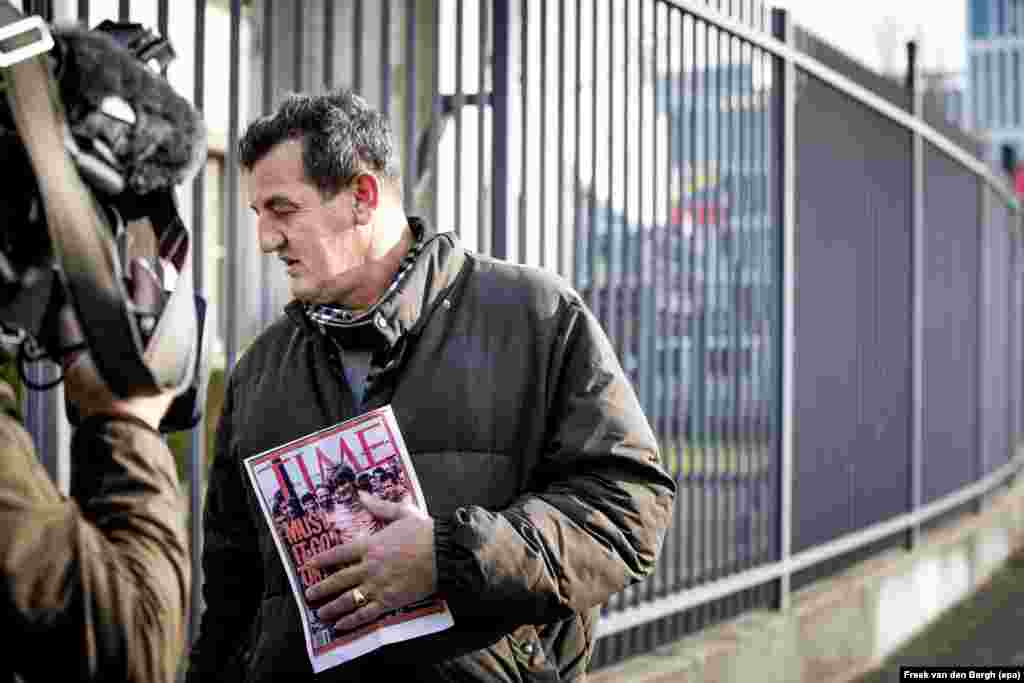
[303,294]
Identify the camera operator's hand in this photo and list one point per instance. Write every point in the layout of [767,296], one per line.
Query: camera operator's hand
[85,388]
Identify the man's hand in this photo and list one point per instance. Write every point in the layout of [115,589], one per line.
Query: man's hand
[85,388]
[391,568]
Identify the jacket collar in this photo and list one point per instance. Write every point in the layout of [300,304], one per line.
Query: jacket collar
[407,308]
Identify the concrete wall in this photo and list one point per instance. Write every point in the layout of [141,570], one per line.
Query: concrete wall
[841,627]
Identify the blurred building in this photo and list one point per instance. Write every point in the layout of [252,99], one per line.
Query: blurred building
[995,51]
[692,286]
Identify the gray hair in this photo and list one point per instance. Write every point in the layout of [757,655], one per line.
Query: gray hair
[342,136]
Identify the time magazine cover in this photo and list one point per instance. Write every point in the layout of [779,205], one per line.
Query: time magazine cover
[308,491]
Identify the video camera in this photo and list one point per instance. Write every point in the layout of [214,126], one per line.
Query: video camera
[93,252]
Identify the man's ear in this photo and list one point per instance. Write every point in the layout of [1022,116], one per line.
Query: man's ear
[365,197]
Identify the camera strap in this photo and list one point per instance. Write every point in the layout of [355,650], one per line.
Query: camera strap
[82,238]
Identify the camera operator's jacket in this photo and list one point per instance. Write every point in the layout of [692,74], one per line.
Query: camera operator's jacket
[95,586]
[533,454]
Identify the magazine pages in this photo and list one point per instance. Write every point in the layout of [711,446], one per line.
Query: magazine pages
[307,489]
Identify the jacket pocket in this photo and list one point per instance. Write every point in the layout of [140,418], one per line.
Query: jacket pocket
[530,656]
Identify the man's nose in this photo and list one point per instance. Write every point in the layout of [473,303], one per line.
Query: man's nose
[271,239]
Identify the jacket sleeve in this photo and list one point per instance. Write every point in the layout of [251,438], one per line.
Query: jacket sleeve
[597,508]
[232,568]
[96,586]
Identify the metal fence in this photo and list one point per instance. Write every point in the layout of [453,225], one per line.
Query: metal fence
[813,282]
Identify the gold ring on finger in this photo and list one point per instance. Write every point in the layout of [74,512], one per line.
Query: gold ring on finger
[358,598]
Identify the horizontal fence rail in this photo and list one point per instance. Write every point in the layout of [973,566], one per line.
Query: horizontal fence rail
[813,283]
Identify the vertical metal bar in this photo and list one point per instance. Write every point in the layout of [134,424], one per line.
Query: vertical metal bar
[625,292]
[83,11]
[712,156]
[646,272]
[329,45]
[267,83]
[525,174]
[737,235]
[460,103]
[758,283]
[737,209]
[705,478]
[578,241]
[682,378]
[124,10]
[231,186]
[733,266]
[661,343]
[753,283]
[729,238]
[436,116]
[483,236]
[409,175]
[667,338]
[592,246]
[501,145]
[702,322]
[267,92]
[298,36]
[917,396]
[717,313]
[385,57]
[198,436]
[757,341]
[640,289]
[694,425]
[612,295]
[643,282]
[770,295]
[611,281]
[560,265]
[543,159]
[782,29]
[744,307]
[163,18]
[358,43]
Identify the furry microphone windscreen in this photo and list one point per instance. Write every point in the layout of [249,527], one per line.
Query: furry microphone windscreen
[158,141]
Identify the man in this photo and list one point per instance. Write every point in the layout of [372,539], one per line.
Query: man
[391,489]
[539,469]
[324,498]
[96,585]
[308,502]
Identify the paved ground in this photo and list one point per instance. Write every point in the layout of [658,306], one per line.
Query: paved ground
[985,630]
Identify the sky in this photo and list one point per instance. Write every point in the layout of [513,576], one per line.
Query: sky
[855,26]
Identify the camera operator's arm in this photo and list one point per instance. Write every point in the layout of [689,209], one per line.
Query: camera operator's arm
[95,586]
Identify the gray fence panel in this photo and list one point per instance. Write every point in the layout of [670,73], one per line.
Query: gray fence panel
[995,423]
[852,370]
[950,341]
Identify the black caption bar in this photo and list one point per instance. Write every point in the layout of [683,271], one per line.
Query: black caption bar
[961,673]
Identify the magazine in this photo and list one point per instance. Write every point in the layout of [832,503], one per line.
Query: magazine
[307,489]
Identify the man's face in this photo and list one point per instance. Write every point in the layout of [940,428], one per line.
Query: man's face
[316,239]
[323,496]
[343,492]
